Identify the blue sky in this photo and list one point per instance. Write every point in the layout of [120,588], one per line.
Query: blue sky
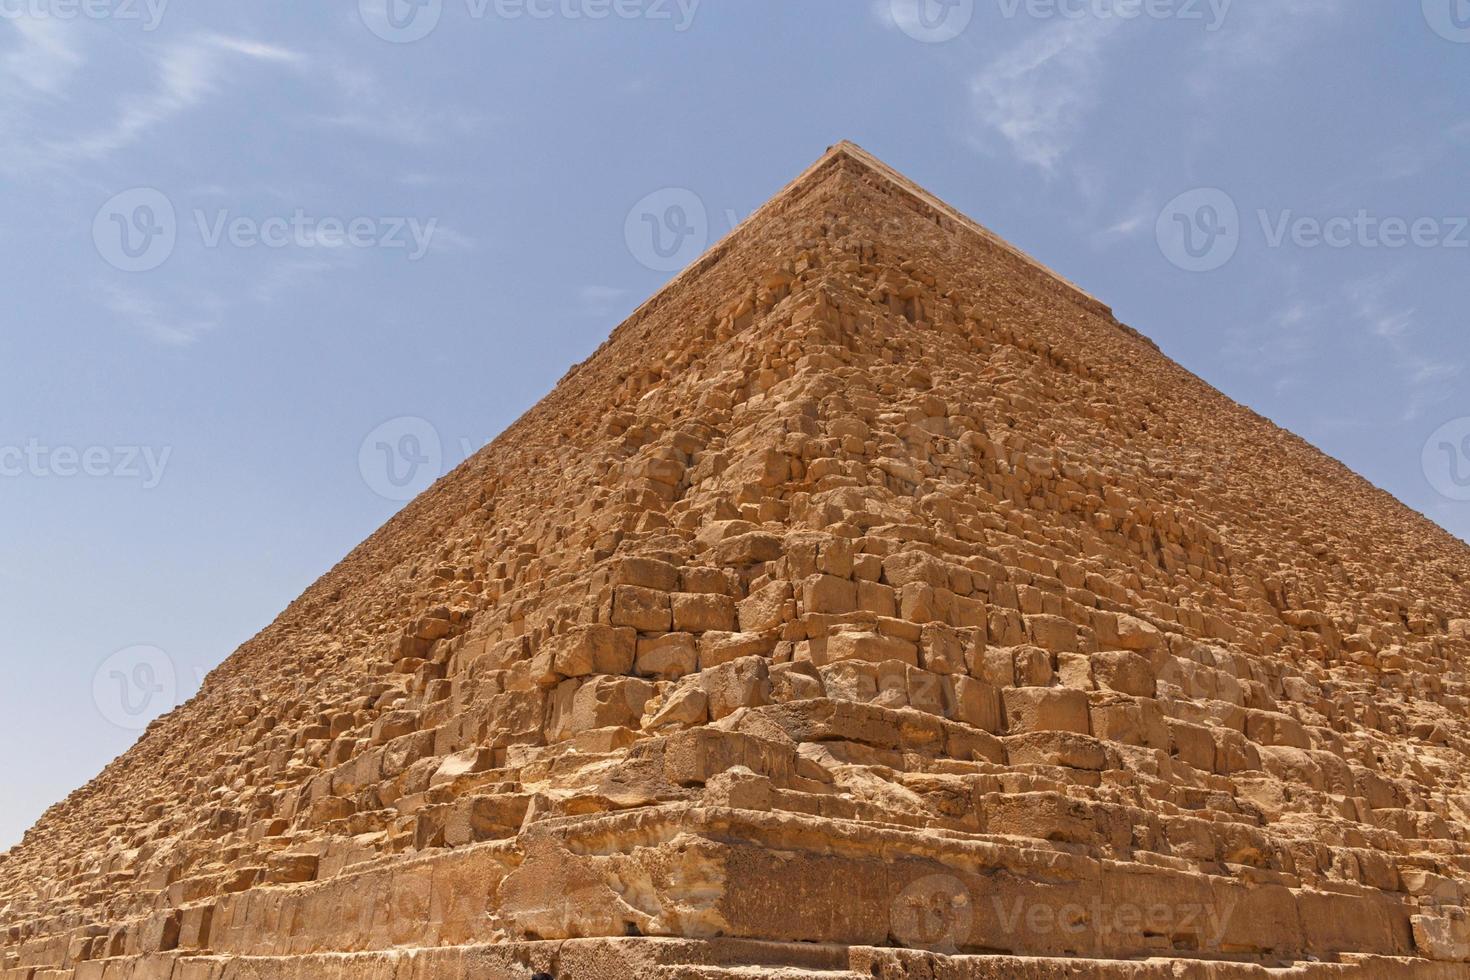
[272,266]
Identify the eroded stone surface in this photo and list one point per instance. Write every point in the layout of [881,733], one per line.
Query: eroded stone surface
[870,587]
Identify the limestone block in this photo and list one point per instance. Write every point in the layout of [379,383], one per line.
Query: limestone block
[483,817]
[593,649]
[394,724]
[287,868]
[823,593]
[1006,628]
[159,933]
[667,655]
[701,612]
[867,567]
[997,667]
[1033,666]
[796,682]
[1052,633]
[1274,728]
[641,608]
[1193,744]
[1442,937]
[1292,766]
[969,612]
[1052,748]
[1042,816]
[1136,634]
[702,579]
[850,680]
[1075,670]
[597,702]
[868,647]
[1234,752]
[750,548]
[876,598]
[694,757]
[717,648]
[1045,709]
[649,573]
[767,607]
[893,684]
[973,703]
[685,707]
[194,927]
[404,751]
[813,552]
[942,649]
[1126,673]
[925,690]
[739,788]
[914,568]
[743,683]
[463,763]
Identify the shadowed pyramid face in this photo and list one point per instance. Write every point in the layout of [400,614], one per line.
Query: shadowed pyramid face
[871,600]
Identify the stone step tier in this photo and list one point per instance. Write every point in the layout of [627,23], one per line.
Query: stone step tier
[716,959]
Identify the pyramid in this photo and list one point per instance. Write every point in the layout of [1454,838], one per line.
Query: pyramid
[872,604]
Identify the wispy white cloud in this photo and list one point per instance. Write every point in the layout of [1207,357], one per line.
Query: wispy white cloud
[1037,95]
[447,239]
[1258,37]
[178,323]
[1400,162]
[1289,346]
[402,124]
[883,13]
[289,273]
[187,72]
[1282,347]
[47,56]
[1137,219]
[370,108]
[601,300]
[1427,379]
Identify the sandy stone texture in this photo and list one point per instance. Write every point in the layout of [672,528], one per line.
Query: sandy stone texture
[871,604]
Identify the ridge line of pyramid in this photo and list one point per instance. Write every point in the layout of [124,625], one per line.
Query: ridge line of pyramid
[856,153]
[848,150]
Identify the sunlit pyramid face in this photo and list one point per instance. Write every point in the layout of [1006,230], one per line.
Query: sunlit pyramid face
[872,604]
